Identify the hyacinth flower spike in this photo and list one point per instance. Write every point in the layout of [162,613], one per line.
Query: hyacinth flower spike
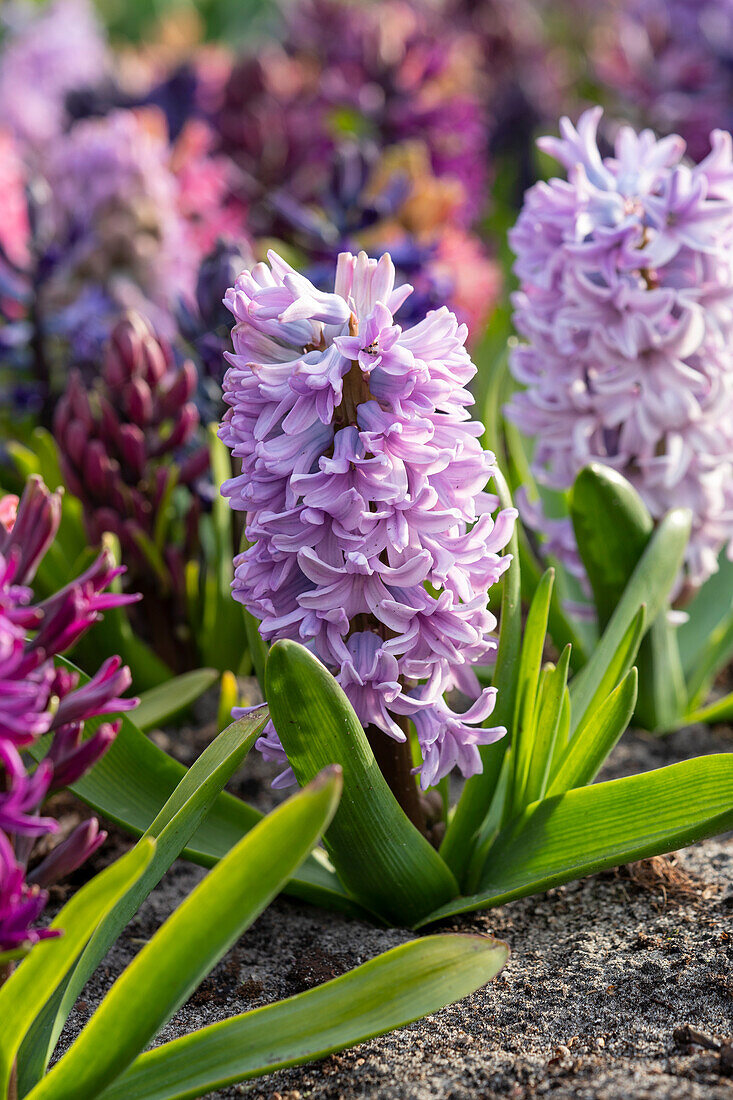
[624,306]
[363,482]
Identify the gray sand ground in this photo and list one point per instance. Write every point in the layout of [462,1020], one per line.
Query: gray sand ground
[602,976]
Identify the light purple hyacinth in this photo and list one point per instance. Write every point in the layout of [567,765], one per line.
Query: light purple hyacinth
[36,698]
[626,309]
[47,55]
[363,482]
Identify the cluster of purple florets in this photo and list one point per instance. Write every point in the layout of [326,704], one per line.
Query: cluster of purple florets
[363,482]
[626,310]
[38,698]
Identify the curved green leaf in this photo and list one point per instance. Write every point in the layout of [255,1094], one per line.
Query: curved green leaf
[593,828]
[612,528]
[135,778]
[24,994]
[190,943]
[387,992]
[181,815]
[591,745]
[380,856]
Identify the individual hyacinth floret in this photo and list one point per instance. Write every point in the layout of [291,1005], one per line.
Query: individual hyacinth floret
[626,309]
[363,482]
[37,698]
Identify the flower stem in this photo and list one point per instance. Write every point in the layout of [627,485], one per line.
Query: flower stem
[395,763]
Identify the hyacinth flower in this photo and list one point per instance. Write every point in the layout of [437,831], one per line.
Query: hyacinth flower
[39,699]
[363,485]
[128,444]
[626,287]
[668,62]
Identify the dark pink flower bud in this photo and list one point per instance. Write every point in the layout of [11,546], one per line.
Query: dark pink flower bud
[64,859]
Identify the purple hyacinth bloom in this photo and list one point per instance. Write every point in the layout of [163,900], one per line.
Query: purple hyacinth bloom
[36,698]
[46,56]
[363,482]
[20,904]
[671,63]
[626,309]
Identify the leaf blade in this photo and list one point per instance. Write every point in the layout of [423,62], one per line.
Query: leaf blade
[380,856]
[389,991]
[189,944]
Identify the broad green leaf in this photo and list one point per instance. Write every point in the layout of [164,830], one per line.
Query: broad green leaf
[612,528]
[380,856]
[182,814]
[719,711]
[649,584]
[497,816]
[161,703]
[404,984]
[591,745]
[593,828]
[548,726]
[24,994]
[134,779]
[189,944]
[478,791]
[530,663]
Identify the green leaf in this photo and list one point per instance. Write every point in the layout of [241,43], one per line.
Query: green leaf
[478,791]
[548,727]
[612,528]
[713,656]
[523,726]
[662,691]
[618,667]
[134,779]
[189,944]
[182,814]
[711,606]
[380,856]
[159,704]
[593,828]
[406,983]
[649,584]
[719,711]
[24,994]
[591,745]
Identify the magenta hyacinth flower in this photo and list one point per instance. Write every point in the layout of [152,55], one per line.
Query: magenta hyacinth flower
[363,483]
[36,698]
[626,309]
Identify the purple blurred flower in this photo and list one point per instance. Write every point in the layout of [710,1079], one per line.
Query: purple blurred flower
[363,483]
[626,308]
[671,64]
[48,54]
